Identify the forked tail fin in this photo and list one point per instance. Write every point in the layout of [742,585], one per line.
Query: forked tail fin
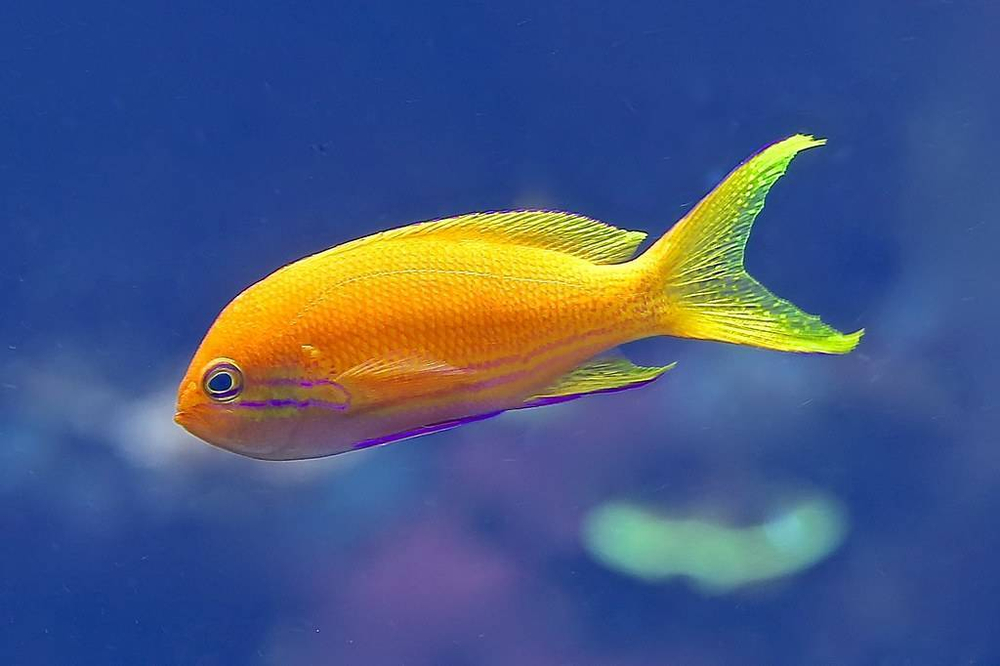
[707,294]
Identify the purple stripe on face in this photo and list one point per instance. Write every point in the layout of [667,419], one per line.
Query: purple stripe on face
[556,399]
[298,404]
[424,430]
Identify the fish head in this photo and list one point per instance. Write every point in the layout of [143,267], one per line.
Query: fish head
[252,389]
[210,406]
[220,402]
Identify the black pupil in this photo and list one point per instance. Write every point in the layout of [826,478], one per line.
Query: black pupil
[220,383]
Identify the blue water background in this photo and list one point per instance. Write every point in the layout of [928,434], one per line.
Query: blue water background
[157,157]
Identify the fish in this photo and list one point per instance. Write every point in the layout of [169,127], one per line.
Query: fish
[438,324]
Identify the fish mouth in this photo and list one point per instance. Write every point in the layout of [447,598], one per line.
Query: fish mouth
[185,419]
[189,421]
[192,422]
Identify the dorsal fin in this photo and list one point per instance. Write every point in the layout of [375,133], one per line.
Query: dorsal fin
[604,374]
[561,232]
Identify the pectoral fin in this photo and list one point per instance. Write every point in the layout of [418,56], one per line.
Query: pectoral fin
[399,378]
[605,374]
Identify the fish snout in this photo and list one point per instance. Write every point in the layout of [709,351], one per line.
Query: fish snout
[188,401]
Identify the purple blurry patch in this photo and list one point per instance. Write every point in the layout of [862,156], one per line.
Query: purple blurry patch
[425,430]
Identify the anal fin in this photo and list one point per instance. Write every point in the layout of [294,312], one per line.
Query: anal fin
[604,374]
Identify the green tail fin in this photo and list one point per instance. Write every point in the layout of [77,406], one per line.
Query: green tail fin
[708,294]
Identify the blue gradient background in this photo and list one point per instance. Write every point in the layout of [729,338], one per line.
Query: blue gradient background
[157,157]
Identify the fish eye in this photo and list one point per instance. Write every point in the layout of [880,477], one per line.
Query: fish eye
[223,381]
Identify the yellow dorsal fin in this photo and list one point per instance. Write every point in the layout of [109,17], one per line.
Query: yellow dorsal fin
[561,232]
[604,374]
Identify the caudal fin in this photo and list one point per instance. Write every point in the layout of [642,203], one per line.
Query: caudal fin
[707,294]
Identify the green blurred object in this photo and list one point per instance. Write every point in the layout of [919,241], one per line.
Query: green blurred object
[717,558]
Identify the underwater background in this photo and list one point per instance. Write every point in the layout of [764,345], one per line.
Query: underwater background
[750,508]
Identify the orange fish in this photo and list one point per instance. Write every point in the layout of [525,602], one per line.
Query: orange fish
[429,326]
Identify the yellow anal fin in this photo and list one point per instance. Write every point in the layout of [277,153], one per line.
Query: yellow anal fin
[568,233]
[605,374]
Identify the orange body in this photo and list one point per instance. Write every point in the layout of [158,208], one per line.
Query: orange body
[463,328]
